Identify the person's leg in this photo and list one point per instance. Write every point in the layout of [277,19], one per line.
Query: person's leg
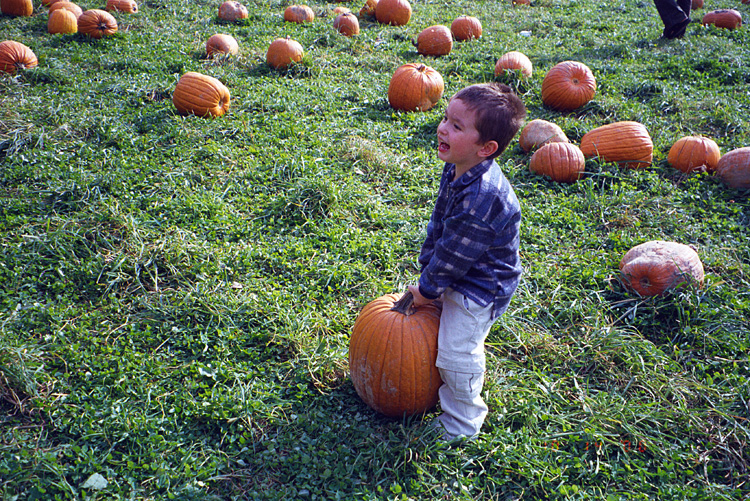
[674,17]
[461,401]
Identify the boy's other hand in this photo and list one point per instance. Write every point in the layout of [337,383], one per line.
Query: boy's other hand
[419,299]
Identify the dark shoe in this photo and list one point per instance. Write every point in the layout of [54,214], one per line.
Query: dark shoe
[676,31]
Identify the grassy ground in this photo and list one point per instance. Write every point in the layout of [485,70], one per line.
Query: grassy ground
[176,293]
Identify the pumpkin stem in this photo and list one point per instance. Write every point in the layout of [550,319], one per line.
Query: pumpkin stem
[405,305]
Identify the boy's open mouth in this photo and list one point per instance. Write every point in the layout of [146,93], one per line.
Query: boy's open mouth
[443,146]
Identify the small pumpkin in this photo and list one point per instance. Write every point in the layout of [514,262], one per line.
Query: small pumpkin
[69,6]
[62,21]
[221,44]
[368,9]
[201,95]
[232,11]
[347,24]
[18,8]
[435,41]
[127,6]
[696,4]
[393,12]
[16,56]
[415,87]
[392,353]
[282,52]
[466,28]
[562,162]
[654,267]
[734,168]
[514,60]
[97,23]
[299,14]
[693,154]
[568,86]
[723,18]
[540,132]
[626,143]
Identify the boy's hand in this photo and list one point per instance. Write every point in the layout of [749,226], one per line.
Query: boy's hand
[419,299]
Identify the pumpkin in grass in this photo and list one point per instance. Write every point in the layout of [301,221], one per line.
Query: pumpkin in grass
[568,86]
[435,41]
[734,168]
[561,162]
[340,9]
[18,8]
[15,56]
[69,6]
[221,44]
[282,52]
[654,267]
[97,23]
[540,132]
[466,28]
[299,14]
[127,6]
[626,143]
[696,4]
[415,87]
[392,353]
[232,11]
[201,95]
[723,18]
[368,9]
[694,154]
[62,21]
[347,24]
[393,12]
[514,60]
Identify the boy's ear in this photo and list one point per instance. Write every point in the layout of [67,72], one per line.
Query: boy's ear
[489,148]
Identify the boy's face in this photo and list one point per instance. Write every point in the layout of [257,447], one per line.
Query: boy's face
[458,138]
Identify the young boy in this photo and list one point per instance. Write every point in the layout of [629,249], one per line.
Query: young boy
[470,256]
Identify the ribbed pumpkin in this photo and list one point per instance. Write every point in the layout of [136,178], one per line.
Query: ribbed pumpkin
[568,86]
[626,143]
[540,132]
[694,154]
[562,162]
[128,6]
[368,9]
[435,40]
[734,168]
[282,52]
[299,14]
[392,353]
[723,18]
[16,56]
[18,8]
[69,6]
[221,44]
[415,87]
[200,95]
[393,12]
[347,24]
[514,60]
[232,11]
[654,267]
[466,28]
[97,23]
[62,21]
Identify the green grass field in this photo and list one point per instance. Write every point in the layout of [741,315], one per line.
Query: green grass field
[177,293]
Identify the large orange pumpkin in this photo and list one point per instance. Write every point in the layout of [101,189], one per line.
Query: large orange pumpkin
[128,6]
[282,52]
[62,21]
[392,353]
[200,95]
[723,18]
[16,56]
[568,86]
[22,8]
[435,40]
[653,267]
[415,87]
[562,162]
[220,44]
[734,168]
[347,24]
[393,12]
[69,6]
[514,60]
[694,153]
[540,132]
[626,143]
[232,11]
[466,28]
[299,14]
[97,23]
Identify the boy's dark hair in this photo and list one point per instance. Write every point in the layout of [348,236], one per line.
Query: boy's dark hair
[499,112]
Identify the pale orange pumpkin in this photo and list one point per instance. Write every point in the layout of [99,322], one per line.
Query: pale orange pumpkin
[694,154]
[568,86]
[221,44]
[626,143]
[392,353]
[514,60]
[466,28]
[435,41]
[340,9]
[723,18]
[415,87]
[561,162]
[65,5]
[540,132]
[97,23]
[127,6]
[654,267]
[62,21]
[299,14]
[347,24]
[201,95]
[393,12]
[368,9]
[15,56]
[734,168]
[232,11]
[18,8]
[282,52]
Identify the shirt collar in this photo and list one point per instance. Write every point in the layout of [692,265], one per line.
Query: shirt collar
[469,176]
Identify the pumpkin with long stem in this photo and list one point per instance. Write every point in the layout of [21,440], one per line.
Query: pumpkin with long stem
[568,86]
[626,143]
[200,95]
[15,56]
[415,87]
[654,267]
